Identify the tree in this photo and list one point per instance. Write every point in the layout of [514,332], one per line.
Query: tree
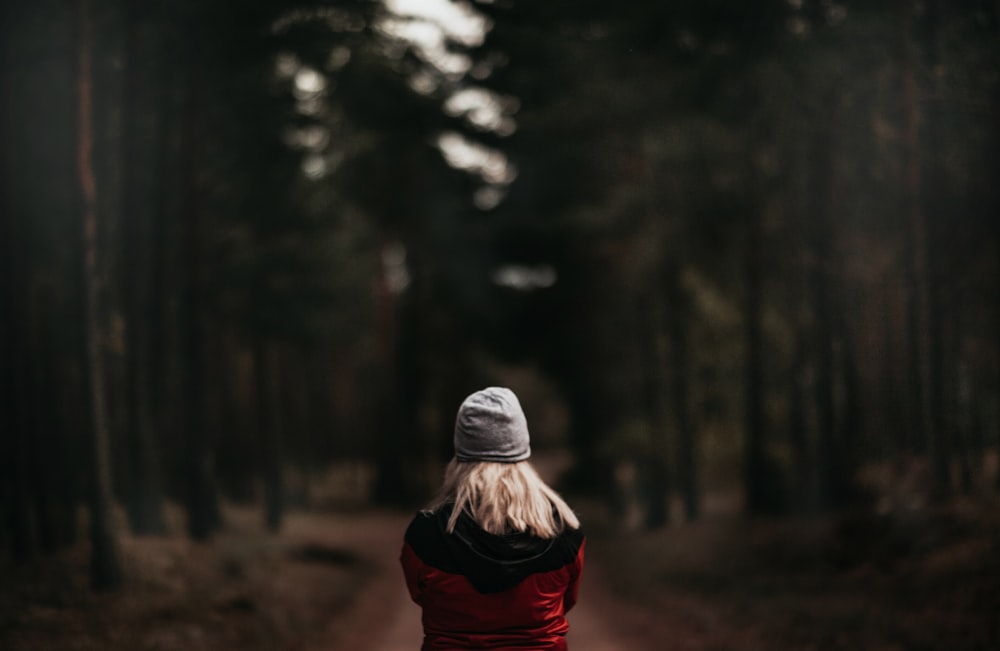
[682,378]
[143,136]
[106,569]
[15,501]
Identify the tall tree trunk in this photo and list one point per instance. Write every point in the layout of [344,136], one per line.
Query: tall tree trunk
[199,492]
[969,413]
[156,317]
[933,215]
[961,427]
[853,419]
[756,473]
[266,370]
[165,174]
[918,329]
[13,367]
[654,467]
[680,367]
[831,471]
[894,415]
[106,568]
[145,491]
[201,498]
[71,404]
[302,412]
[389,484]
[996,278]
[64,401]
[14,501]
[45,442]
[802,464]
[799,385]
[295,396]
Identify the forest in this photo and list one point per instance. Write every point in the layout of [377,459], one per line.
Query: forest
[740,260]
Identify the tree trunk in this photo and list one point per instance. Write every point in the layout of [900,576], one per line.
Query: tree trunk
[14,500]
[803,494]
[164,214]
[13,367]
[918,329]
[969,412]
[930,233]
[199,493]
[297,396]
[654,467]
[831,472]
[265,376]
[145,492]
[853,419]
[106,568]
[45,469]
[680,367]
[759,497]
[389,484]
[996,283]
[69,409]
[894,417]
[234,417]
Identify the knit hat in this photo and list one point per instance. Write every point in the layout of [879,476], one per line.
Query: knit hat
[490,426]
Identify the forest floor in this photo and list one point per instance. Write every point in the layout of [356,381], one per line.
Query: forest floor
[331,581]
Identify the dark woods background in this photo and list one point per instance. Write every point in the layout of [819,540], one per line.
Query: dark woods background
[256,251]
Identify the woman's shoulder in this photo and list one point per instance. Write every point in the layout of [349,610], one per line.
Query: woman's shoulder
[426,536]
[427,522]
[572,539]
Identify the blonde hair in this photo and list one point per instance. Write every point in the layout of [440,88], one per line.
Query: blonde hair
[503,498]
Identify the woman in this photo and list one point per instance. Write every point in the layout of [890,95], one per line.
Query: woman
[494,562]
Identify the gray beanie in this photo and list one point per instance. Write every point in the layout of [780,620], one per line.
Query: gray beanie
[490,426]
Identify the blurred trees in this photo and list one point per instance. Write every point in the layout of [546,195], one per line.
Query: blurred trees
[745,240]
[782,157]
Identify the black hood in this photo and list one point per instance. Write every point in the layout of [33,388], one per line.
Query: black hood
[492,563]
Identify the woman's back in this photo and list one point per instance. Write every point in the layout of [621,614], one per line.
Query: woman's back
[486,591]
[495,561]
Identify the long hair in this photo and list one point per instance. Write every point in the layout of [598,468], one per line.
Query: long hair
[503,498]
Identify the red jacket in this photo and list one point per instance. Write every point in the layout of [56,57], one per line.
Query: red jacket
[482,591]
